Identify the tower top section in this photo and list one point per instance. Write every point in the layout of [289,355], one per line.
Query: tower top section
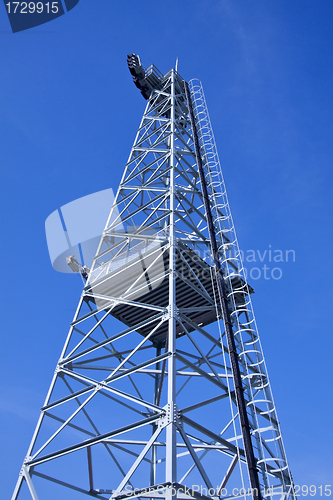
[146,80]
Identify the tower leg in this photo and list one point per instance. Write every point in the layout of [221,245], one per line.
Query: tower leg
[171,444]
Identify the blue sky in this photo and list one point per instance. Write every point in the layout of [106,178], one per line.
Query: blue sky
[69,113]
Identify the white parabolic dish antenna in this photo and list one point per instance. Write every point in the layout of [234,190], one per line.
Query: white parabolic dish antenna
[76,229]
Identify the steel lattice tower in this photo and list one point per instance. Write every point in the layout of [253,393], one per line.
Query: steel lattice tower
[161,389]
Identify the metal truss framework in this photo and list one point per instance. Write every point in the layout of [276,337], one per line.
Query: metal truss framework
[143,402]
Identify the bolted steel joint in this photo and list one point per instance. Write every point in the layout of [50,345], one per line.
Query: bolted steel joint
[172,311]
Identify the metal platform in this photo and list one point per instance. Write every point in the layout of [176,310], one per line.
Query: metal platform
[144,281]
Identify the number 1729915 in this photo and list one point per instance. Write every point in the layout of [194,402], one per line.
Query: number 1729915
[31,7]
